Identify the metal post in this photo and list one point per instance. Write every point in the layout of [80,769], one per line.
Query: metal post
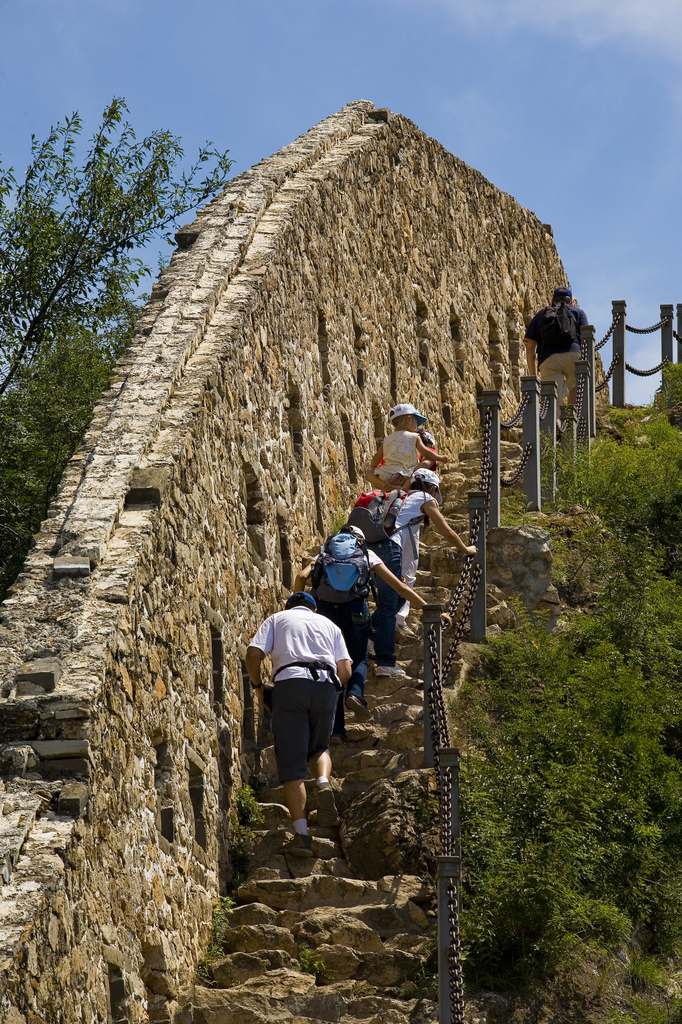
[431,614]
[479,622]
[448,868]
[679,332]
[449,761]
[491,400]
[530,386]
[582,372]
[618,379]
[548,393]
[587,342]
[667,333]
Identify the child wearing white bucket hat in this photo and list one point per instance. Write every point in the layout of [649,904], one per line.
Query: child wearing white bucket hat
[401,450]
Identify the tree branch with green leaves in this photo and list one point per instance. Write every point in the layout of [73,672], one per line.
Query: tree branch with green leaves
[68,231]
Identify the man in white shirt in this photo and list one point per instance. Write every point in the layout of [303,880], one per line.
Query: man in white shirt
[310,663]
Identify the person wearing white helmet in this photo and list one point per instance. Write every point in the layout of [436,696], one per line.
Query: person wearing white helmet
[423,498]
[342,578]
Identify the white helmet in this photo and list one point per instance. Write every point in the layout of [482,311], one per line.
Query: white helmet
[355,531]
[427,476]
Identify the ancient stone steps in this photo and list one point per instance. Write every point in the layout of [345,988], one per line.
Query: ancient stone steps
[17,814]
[369,929]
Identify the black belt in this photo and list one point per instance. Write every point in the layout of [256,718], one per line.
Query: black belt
[314,667]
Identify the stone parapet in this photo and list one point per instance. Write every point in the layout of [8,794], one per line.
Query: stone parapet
[361,265]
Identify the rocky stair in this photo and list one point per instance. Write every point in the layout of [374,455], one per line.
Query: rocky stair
[355,908]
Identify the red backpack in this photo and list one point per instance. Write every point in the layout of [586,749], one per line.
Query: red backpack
[376,512]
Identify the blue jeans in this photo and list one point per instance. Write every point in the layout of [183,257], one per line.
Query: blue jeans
[348,617]
[388,602]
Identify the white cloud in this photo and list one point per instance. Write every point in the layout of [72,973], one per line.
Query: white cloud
[644,23]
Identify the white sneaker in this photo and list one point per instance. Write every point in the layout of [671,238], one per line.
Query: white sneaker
[394,671]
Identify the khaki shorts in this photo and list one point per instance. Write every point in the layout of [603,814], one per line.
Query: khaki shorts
[560,366]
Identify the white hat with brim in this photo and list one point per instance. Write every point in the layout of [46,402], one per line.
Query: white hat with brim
[406,410]
[427,476]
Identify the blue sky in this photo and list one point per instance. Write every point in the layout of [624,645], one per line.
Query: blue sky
[573,107]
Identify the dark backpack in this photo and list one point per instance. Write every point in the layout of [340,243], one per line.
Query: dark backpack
[558,330]
[376,512]
[341,571]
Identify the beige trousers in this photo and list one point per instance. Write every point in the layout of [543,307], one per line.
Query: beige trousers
[560,366]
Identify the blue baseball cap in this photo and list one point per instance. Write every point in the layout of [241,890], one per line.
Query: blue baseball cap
[562,293]
[302,593]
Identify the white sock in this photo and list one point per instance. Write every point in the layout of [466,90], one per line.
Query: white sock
[323,780]
[301,826]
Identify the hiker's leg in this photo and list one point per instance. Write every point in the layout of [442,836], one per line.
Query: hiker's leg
[388,602]
[552,368]
[321,719]
[334,613]
[356,635]
[410,564]
[291,731]
[376,481]
[568,361]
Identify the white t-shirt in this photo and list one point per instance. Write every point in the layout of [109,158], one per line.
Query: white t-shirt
[373,559]
[400,453]
[300,634]
[411,508]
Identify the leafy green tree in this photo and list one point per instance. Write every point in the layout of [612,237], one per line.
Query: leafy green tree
[70,232]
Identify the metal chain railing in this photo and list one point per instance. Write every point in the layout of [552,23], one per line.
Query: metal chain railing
[517,415]
[510,481]
[676,335]
[608,334]
[581,432]
[648,330]
[440,738]
[647,373]
[486,461]
[609,374]
[544,407]
[440,733]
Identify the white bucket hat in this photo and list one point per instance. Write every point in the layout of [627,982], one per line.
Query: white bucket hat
[406,410]
[427,476]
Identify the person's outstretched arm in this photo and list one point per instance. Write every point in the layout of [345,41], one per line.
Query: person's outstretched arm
[402,588]
[429,453]
[377,458]
[441,526]
[302,576]
[254,659]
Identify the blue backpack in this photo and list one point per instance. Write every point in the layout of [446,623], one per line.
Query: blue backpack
[341,571]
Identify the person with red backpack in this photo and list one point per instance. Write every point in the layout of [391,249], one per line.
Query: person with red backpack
[390,520]
[553,342]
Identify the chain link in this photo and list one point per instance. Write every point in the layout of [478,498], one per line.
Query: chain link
[440,733]
[518,414]
[544,407]
[676,335]
[609,375]
[616,320]
[486,461]
[647,373]
[581,432]
[648,330]
[510,481]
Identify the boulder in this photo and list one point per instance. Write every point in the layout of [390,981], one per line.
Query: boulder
[239,967]
[392,827]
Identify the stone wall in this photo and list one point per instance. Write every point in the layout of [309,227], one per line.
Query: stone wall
[360,265]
